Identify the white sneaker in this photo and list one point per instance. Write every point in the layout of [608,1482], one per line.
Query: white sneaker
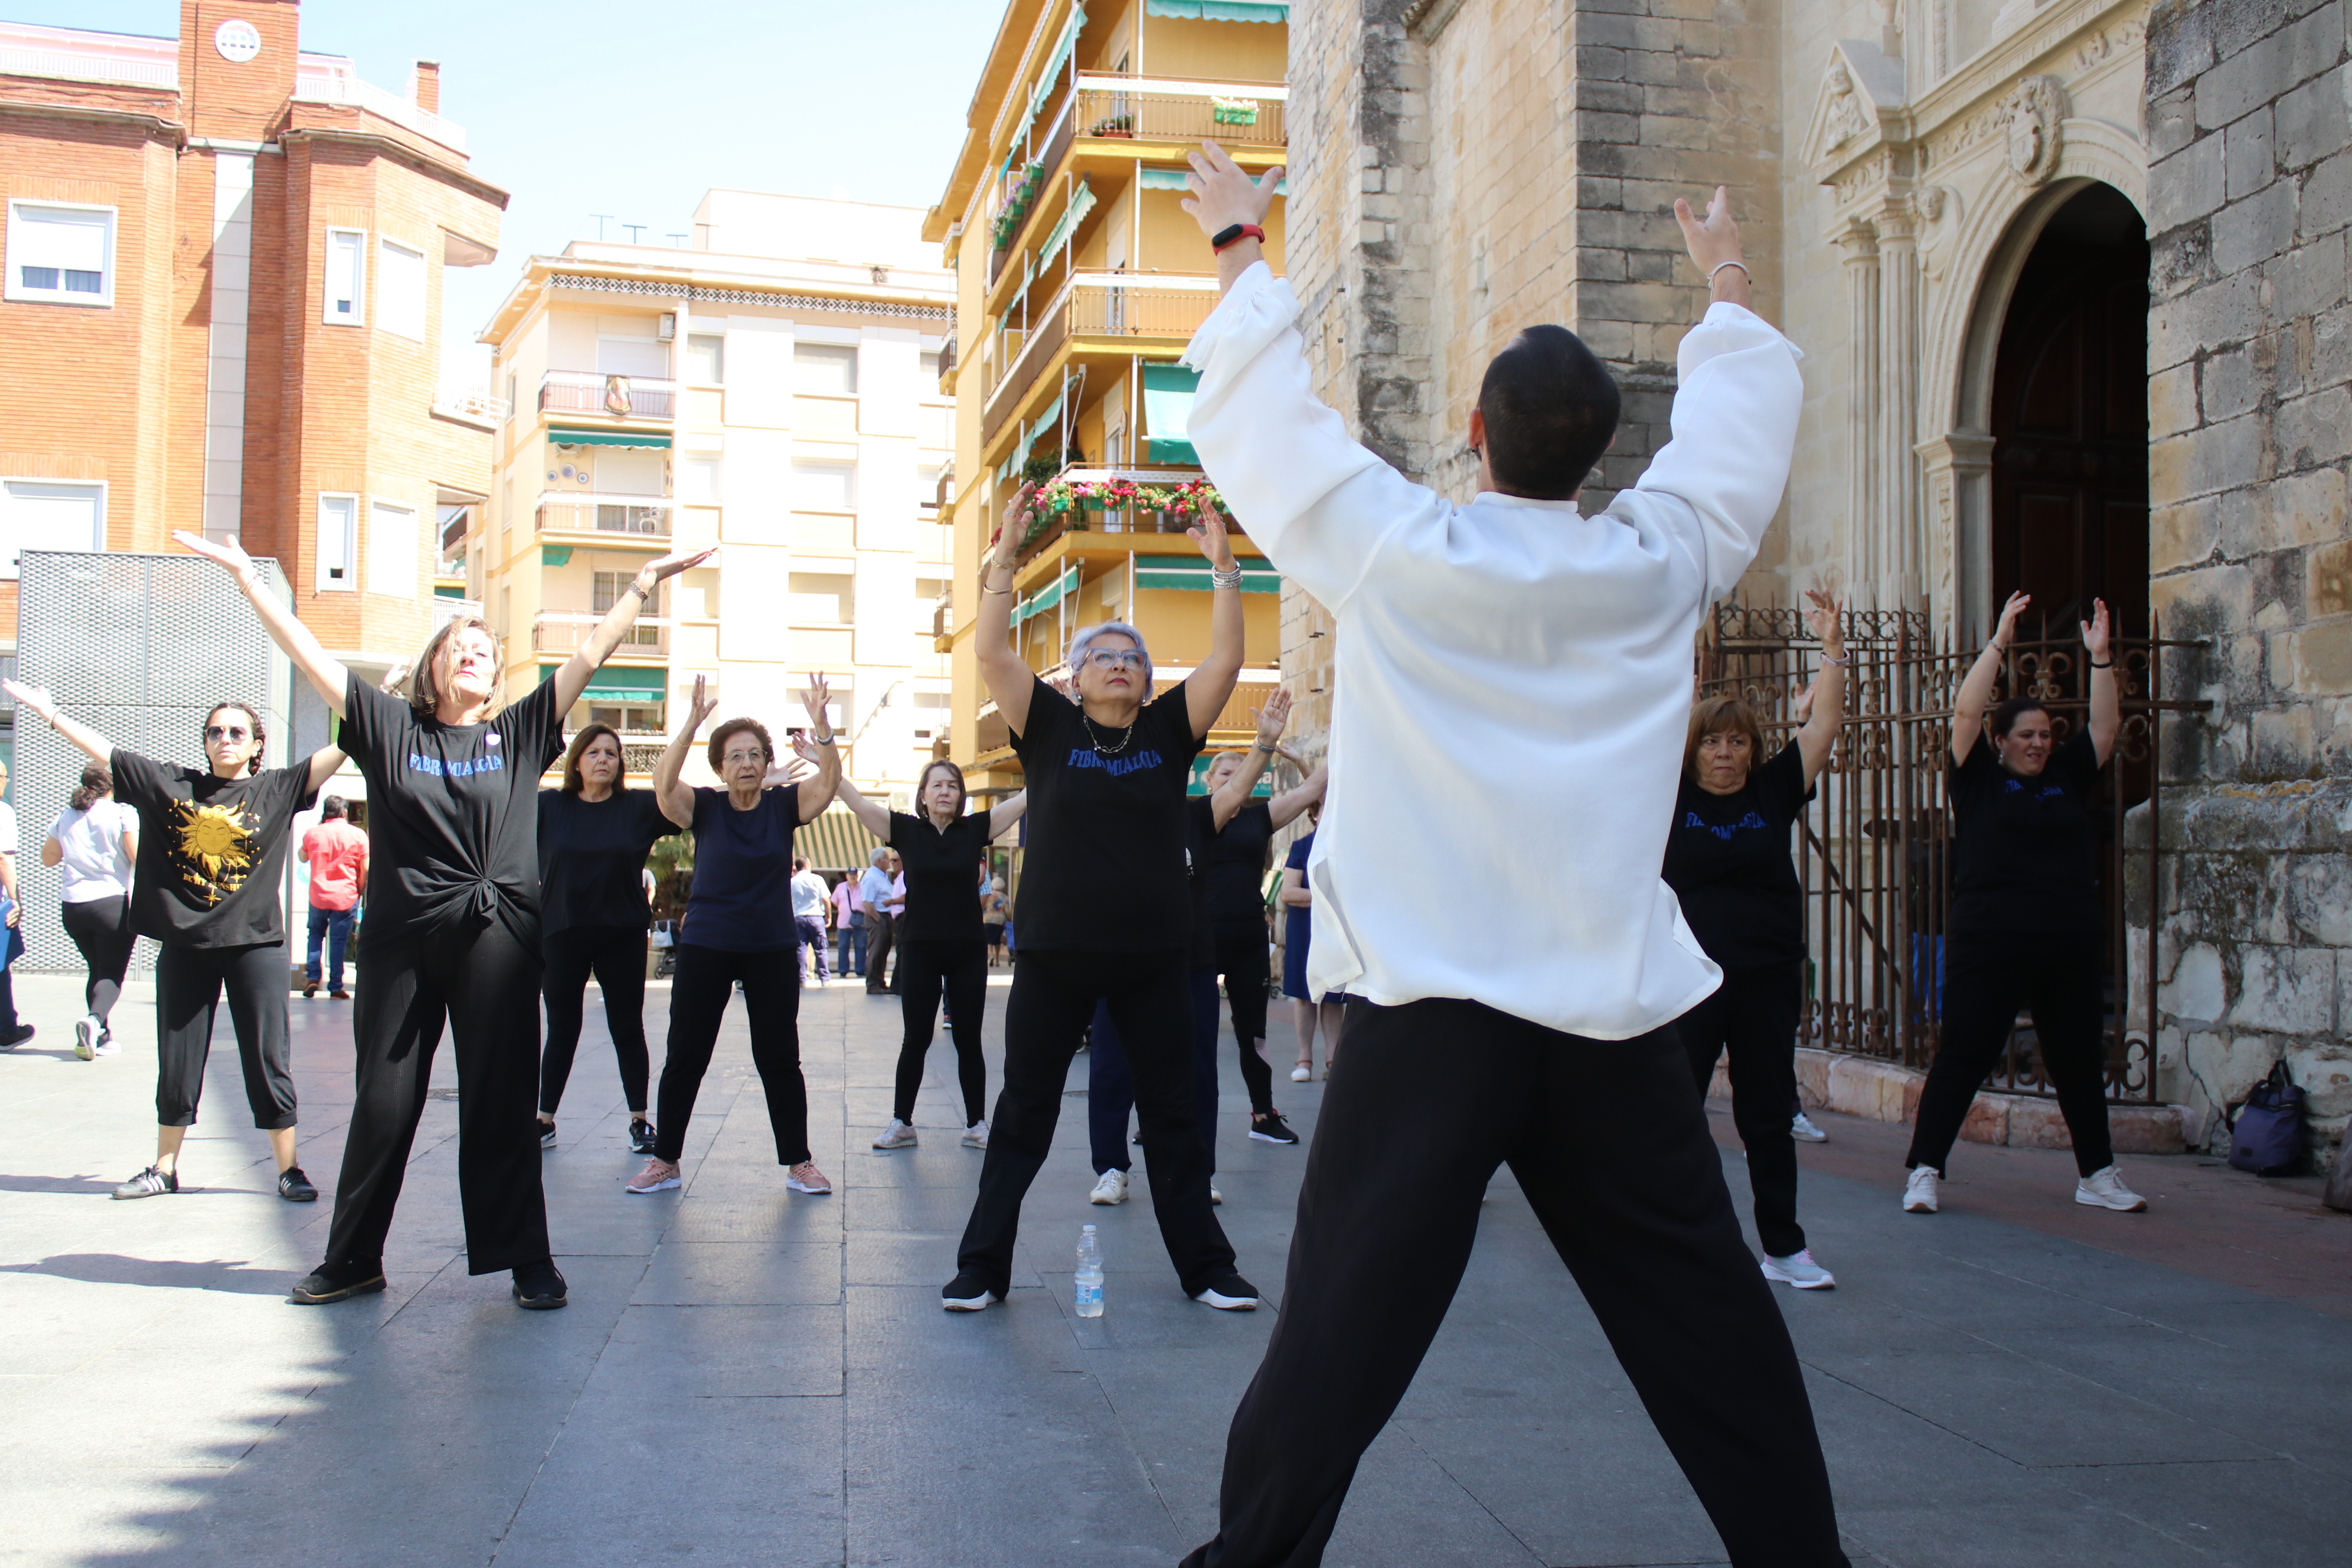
[105,1045]
[1800,1271]
[1302,1073]
[976,1135]
[1216,1196]
[2103,1189]
[1802,1128]
[1919,1192]
[897,1135]
[1110,1188]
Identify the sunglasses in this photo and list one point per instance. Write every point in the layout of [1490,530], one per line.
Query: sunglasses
[226,731]
[1106,658]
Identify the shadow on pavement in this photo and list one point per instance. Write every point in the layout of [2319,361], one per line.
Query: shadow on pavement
[112,1268]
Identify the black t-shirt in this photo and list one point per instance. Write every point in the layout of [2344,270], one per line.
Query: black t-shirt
[453,812]
[2027,851]
[1728,862]
[943,876]
[591,857]
[1105,870]
[1237,871]
[212,851]
[742,896]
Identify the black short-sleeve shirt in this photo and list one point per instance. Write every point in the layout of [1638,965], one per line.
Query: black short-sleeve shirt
[591,857]
[1728,862]
[2027,849]
[1236,865]
[943,876]
[742,895]
[1105,867]
[212,851]
[453,812]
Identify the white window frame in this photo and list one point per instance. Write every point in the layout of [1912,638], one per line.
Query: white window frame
[357,315]
[385,243]
[350,551]
[412,584]
[13,286]
[686,359]
[9,560]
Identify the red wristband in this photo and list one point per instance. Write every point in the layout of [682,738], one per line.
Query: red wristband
[1228,238]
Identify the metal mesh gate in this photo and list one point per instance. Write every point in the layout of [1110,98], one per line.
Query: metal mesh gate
[139,647]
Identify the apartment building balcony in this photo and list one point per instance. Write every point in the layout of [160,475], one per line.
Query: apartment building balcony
[624,522]
[473,407]
[617,397]
[943,622]
[1109,314]
[566,632]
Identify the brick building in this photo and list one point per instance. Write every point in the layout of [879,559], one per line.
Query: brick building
[222,310]
[2070,276]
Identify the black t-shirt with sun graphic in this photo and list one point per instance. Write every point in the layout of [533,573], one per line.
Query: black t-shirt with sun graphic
[212,851]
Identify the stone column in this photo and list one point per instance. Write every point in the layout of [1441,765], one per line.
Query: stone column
[1957,475]
[1900,547]
[1860,242]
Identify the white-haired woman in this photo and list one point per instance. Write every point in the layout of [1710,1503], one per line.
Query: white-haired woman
[1105,911]
[452,931]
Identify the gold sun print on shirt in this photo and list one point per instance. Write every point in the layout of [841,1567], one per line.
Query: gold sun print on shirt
[215,849]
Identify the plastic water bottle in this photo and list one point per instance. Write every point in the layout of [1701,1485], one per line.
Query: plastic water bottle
[1090,1273]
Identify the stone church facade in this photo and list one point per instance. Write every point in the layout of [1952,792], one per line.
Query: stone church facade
[1943,199]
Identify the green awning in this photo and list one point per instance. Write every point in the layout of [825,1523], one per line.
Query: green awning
[1217,10]
[555,554]
[442,592]
[1167,391]
[613,684]
[1051,419]
[1173,180]
[1048,596]
[1199,785]
[606,439]
[835,841]
[1192,572]
[1082,202]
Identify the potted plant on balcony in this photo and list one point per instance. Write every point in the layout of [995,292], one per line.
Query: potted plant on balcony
[1232,110]
[1121,125]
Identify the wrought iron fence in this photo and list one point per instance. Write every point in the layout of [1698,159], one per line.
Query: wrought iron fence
[1875,847]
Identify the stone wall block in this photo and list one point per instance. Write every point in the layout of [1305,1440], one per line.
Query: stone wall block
[2306,509]
[2200,462]
[1596,62]
[2237,85]
[1619,96]
[2223,313]
[2319,903]
[2227,385]
[2306,281]
[2179,45]
[2324,1069]
[2327,195]
[2181,536]
[2310,121]
[2198,987]
[2247,158]
[2256,228]
[2322,660]
[2313,429]
[1596,126]
[2286,990]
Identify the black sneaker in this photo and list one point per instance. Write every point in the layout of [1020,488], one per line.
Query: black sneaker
[310,991]
[539,1286]
[295,1187]
[149,1183]
[968,1292]
[1231,1294]
[547,1134]
[10,1039]
[329,1282]
[642,1138]
[1270,1128]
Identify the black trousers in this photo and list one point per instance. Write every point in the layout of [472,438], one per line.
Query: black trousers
[1636,1206]
[704,979]
[1988,977]
[616,954]
[1053,996]
[879,929]
[483,984]
[1111,1088]
[188,985]
[1241,959]
[101,928]
[926,968]
[1753,1015]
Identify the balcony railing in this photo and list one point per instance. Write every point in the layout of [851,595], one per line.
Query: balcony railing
[475,407]
[1092,304]
[648,517]
[1150,109]
[563,631]
[616,396]
[942,616]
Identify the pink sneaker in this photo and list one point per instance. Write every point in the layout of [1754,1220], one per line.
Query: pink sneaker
[658,1177]
[805,1177]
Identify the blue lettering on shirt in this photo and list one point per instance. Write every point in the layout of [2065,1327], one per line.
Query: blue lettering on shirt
[1087,757]
[462,768]
[2046,791]
[1753,820]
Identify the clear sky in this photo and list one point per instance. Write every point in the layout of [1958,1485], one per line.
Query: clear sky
[635,109]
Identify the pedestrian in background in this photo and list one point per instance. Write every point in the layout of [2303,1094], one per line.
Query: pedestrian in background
[810,901]
[874,892]
[92,845]
[1307,1011]
[992,913]
[337,854]
[13,1031]
[849,929]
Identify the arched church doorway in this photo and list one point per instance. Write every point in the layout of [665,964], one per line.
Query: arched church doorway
[2069,421]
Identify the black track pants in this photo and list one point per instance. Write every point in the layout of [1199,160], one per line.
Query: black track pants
[1241,959]
[188,985]
[1753,1015]
[101,928]
[616,954]
[704,979]
[926,968]
[1636,1206]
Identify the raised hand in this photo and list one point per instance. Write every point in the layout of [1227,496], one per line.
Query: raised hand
[1714,239]
[35,700]
[2096,632]
[1208,532]
[2006,632]
[394,675]
[1223,193]
[1828,630]
[817,698]
[703,705]
[228,552]
[1019,513]
[1273,718]
[678,560]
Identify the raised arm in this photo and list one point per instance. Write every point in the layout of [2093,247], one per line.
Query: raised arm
[676,798]
[1284,807]
[571,675]
[1234,792]
[325,762]
[2107,704]
[35,700]
[1008,675]
[1975,695]
[1007,812]
[327,675]
[1819,736]
[874,816]
[1211,685]
[817,793]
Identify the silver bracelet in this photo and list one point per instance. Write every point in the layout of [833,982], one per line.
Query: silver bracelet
[1721,265]
[1227,579]
[1840,662]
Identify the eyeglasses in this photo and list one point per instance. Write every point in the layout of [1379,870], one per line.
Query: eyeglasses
[226,731]
[1106,658]
[731,758]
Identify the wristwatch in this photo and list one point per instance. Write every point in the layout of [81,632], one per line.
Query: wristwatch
[1234,234]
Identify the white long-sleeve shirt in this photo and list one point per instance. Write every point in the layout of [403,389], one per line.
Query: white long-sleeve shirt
[1512,677]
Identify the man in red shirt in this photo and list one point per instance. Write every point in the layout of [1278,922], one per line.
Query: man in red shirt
[337,854]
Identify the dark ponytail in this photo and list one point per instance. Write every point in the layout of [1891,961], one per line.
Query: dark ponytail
[96,785]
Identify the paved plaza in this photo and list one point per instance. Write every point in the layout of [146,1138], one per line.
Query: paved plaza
[748,1376]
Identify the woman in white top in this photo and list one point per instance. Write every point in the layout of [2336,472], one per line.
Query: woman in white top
[92,845]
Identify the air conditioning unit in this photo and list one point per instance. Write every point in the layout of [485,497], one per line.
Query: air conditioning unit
[665,326]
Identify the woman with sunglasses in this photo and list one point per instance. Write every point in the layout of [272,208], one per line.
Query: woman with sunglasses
[739,929]
[212,860]
[452,926]
[942,942]
[1107,770]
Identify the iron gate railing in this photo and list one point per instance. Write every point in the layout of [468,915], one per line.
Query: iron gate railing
[1875,847]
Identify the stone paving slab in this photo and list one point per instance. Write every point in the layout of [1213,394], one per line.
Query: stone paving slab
[748,1375]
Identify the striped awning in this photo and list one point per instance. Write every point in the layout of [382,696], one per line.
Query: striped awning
[1048,596]
[1192,571]
[835,841]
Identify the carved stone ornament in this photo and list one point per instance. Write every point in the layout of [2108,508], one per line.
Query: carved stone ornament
[2030,117]
[1845,120]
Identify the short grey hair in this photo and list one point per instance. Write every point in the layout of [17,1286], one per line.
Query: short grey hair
[874,858]
[1085,639]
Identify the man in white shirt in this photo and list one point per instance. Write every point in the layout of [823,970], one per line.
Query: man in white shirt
[874,892]
[1516,677]
[811,898]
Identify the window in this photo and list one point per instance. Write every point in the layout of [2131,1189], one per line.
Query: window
[706,359]
[506,509]
[346,277]
[37,515]
[618,356]
[59,254]
[927,488]
[824,487]
[630,470]
[339,529]
[698,481]
[824,370]
[511,394]
[605,591]
[927,714]
[931,370]
[400,290]
[822,598]
[392,549]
